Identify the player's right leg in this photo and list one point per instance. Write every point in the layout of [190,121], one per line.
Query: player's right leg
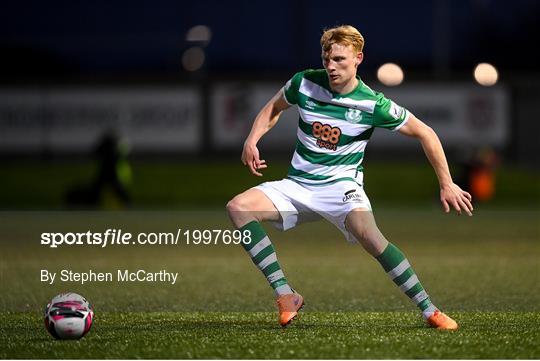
[251,205]
[246,211]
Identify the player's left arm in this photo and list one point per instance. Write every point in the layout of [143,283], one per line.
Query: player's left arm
[451,194]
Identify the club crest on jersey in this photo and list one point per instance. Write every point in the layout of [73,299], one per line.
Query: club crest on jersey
[353,115]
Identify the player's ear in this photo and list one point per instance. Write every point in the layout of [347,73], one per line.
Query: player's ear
[359,58]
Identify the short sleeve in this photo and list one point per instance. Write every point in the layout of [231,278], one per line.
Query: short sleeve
[291,88]
[388,114]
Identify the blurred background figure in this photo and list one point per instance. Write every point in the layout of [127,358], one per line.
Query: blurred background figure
[478,172]
[482,180]
[110,188]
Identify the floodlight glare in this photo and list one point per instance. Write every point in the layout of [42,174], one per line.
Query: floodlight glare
[486,74]
[193,58]
[390,74]
[199,33]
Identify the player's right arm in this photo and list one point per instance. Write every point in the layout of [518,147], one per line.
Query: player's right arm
[265,120]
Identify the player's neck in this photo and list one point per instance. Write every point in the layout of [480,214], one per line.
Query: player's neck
[347,87]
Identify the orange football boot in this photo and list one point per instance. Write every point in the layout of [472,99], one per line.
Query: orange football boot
[288,306]
[441,321]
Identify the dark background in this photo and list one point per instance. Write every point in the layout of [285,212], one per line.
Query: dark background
[119,38]
[49,44]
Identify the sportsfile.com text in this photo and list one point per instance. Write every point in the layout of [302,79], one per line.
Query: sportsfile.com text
[119,237]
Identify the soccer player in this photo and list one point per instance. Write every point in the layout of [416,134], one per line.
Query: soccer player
[338,114]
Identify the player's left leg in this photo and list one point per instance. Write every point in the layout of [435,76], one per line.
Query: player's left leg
[361,223]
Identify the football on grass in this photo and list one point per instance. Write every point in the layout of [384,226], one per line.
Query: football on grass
[68,316]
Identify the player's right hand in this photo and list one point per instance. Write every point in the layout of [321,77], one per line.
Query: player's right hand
[250,158]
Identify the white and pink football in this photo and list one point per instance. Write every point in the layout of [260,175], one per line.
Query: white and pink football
[68,316]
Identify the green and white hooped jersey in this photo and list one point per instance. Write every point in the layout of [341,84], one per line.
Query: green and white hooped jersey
[334,129]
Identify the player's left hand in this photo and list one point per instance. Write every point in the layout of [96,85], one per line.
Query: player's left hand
[453,196]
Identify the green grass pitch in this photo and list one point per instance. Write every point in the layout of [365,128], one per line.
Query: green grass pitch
[241,335]
[483,270]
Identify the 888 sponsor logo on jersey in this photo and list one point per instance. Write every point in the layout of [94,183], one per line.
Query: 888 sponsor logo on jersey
[326,135]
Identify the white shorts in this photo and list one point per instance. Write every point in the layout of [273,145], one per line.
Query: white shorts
[300,202]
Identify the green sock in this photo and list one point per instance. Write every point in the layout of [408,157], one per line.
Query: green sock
[400,271]
[263,255]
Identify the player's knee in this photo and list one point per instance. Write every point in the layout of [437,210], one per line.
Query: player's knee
[372,241]
[369,237]
[233,206]
[363,234]
[240,210]
[238,204]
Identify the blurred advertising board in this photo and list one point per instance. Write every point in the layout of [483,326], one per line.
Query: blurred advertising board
[461,114]
[234,106]
[74,120]
[171,119]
